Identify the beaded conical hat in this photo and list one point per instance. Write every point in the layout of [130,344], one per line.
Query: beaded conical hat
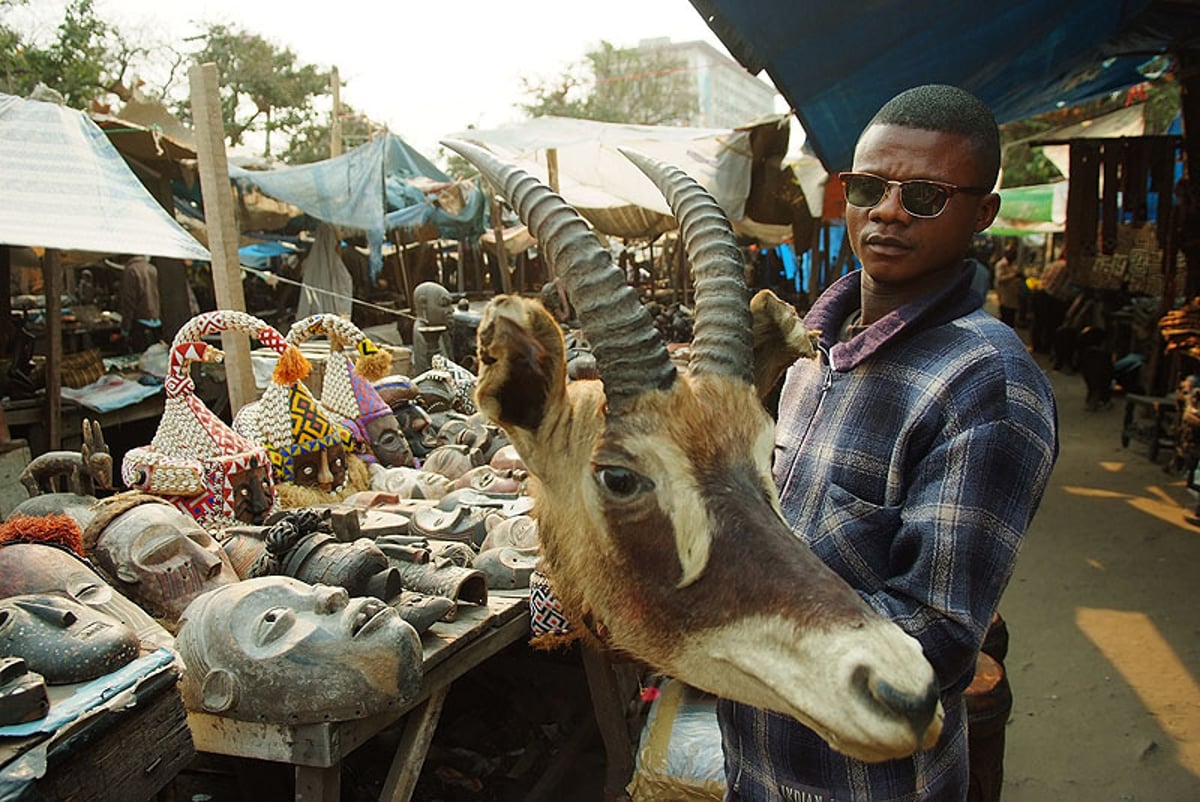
[194,453]
[346,389]
[287,420]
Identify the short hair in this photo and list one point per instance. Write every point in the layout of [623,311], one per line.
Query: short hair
[950,110]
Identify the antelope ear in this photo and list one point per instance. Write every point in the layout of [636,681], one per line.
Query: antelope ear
[780,338]
[522,362]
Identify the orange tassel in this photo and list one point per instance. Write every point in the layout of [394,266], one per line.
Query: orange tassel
[374,367]
[292,367]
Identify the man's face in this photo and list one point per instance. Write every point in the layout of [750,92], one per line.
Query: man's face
[895,247]
[162,558]
[324,468]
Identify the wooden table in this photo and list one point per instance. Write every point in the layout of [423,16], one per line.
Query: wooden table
[129,742]
[316,750]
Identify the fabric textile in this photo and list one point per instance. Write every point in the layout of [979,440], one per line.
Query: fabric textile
[922,510]
[328,286]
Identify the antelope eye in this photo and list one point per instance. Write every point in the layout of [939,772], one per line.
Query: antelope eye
[621,482]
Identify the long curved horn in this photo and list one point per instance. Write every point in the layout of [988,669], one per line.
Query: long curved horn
[722,340]
[630,354]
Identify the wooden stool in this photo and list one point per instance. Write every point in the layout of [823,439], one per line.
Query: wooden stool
[989,702]
[1158,432]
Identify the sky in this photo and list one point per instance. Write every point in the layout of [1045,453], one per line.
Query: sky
[426,69]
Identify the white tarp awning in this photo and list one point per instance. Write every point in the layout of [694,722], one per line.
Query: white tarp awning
[606,187]
[66,187]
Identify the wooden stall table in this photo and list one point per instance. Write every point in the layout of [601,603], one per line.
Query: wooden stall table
[452,648]
[121,737]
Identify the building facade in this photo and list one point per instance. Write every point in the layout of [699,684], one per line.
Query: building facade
[727,95]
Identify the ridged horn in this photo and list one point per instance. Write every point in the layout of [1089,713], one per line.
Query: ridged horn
[630,355]
[722,340]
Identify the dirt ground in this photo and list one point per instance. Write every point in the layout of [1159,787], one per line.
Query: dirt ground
[1104,625]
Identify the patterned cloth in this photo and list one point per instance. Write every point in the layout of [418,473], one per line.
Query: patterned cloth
[911,458]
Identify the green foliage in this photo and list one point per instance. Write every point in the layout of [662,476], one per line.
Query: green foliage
[641,86]
[262,88]
[310,142]
[86,62]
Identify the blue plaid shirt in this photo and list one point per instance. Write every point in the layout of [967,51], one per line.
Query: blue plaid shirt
[911,458]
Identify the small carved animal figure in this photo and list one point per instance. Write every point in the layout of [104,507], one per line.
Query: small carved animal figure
[81,472]
[657,513]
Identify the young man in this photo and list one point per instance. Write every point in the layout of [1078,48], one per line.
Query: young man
[912,455]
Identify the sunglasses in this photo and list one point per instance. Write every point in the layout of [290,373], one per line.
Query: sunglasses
[919,197]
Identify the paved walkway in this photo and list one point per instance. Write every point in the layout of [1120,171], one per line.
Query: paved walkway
[1104,625]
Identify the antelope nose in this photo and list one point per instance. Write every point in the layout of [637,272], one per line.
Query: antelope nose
[917,709]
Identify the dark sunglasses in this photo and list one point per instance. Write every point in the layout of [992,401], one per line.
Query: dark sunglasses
[919,197]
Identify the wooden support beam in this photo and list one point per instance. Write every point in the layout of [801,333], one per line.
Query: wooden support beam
[52,282]
[222,228]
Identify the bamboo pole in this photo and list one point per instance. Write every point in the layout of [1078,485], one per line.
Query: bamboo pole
[222,229]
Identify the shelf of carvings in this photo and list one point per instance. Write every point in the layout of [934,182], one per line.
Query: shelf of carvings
[451,649]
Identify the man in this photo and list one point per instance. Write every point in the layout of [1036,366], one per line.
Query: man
[1050,304]
[1008,286]
[141,325]
[912,455]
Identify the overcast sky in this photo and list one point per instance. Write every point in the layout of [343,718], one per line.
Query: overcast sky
[426,69]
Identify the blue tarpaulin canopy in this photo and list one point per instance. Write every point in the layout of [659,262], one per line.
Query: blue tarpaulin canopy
[837,63]
[357,189]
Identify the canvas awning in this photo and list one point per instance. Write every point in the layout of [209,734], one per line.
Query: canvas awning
[837,63]
[608,189]
[66,187]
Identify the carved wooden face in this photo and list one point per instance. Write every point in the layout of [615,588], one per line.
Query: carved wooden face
[324,468]
[388,443]
[278,649]
[38,568]
[253,493]
[660,528]
[63,640]
[161,558]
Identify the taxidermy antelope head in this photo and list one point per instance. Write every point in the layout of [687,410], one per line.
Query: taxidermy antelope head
[657,513]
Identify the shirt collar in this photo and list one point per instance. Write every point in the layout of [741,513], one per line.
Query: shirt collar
[960,297]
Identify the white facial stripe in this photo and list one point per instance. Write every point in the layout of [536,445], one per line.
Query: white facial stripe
[679,494]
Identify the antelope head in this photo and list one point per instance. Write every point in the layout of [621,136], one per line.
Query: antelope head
[658,516]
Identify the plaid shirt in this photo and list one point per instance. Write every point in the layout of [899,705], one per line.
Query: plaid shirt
[912,467]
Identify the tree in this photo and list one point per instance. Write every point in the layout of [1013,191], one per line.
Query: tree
[87,62]
[262,88]
[310,142]
[646,86]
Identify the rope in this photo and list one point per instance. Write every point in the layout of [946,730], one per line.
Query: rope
[270,277]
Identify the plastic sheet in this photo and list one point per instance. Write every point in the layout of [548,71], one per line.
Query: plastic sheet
[679,758]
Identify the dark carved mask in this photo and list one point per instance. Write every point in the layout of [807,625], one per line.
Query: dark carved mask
[63,640]
[39,568]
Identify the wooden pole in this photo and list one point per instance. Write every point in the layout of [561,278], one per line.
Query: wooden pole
[222,229]
[52,281]
[335,124]
[552,177]
[501,254]
[404,277]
